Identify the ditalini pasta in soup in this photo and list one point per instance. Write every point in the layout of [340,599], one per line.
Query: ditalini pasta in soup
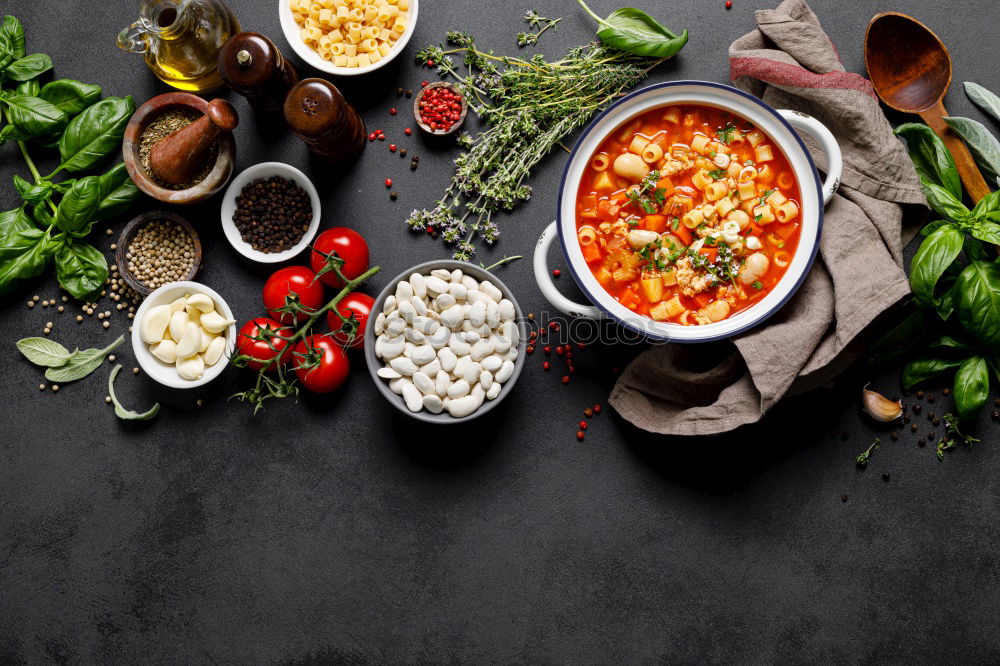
[688,214]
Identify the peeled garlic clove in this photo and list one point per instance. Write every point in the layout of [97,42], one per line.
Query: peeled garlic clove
[215,350]
[154,323]
[178,304]
[206,340]
[194,314]
[192,367]
[165,350]
[213,322]
[178,320]
[880,407]
[201,301]
[190,342]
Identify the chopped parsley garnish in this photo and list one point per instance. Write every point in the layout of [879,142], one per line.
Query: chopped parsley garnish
[763,197]
[756,218]
[676,222]
[723,269]
[717,174]
[727,133]
[749,163]
[758,285]
[648,196]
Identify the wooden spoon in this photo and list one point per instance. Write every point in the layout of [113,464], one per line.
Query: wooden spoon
[911,71]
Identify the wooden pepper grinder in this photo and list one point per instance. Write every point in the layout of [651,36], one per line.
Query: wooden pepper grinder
[320,116]
[177,158]
[253,66]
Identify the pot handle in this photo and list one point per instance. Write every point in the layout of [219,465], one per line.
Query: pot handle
[827,142]
[544,279]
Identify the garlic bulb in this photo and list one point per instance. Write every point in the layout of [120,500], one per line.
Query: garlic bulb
[879,407]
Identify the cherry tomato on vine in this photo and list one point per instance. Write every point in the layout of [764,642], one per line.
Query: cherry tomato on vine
[321,364]
[264,338]
[348,245]
[358,305]
[294,284]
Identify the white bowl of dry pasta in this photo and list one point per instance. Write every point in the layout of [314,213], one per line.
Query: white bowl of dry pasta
[348,37]
[689,211]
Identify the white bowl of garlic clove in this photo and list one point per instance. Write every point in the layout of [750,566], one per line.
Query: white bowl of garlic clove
[183,335]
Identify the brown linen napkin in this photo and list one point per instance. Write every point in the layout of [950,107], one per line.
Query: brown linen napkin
[790,63]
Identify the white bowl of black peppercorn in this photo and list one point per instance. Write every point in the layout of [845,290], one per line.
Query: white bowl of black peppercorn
[271,213]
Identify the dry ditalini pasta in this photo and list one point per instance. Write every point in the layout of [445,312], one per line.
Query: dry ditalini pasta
[351,33]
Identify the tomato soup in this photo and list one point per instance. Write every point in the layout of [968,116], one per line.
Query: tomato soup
[688,214]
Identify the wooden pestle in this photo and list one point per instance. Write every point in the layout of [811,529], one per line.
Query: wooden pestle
[178,157]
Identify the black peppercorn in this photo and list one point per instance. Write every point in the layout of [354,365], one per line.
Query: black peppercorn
[894,435]
[402,152]
[843,498]
[930,397]
[393,195]
[913,428]
[885,476]
[272,214]
[917,409]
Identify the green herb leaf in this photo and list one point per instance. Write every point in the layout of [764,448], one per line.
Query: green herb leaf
[972,386]
[28,67]
[923,369]
[32,116]
[24,255]
[635,31]
[117,192]
[726,134]
[717,174]
[865,456]
[78,206]
[935,254]
[13,33]
[121,412]
[32,192]
[11,222]
[96,133]
[978,305]
[930,157]
[81,268]
[81,364]
[45,352]
[904,336]
[72,97]
[984,99]
[949,342]
[983,145]
[31,88]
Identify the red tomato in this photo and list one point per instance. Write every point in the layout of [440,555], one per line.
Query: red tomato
[294,283]
[354,304]
[274,342]
[321,364]
[348,245]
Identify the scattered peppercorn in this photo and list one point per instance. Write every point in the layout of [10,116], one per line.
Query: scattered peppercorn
[729,4]
[597,409]
[946,391]
[914,428]
[393,111]
[843,498]
[556,272]
[41,387]
[930,397]
[565,379]
[921,442]
[579,435]
[885,476]
[583,425]
[388,182]
[272,214]
[588,412]
[407,131]
[917,409]
[393,195]
[894,435]
[399,92]
[530,349]
[55,387]
[920,395]
[546,365]
[392,147]
[402,152]
[409,93]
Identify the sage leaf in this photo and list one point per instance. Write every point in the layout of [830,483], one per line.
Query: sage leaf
[983,145]
[121,412]
[935,254]
[81,364]
[72,97]
[920,370]
[978,305]
[984,99]
[634,31]
[931,159]
[28,67]
[95,133]
[81,269]
[45,352]
[972,386]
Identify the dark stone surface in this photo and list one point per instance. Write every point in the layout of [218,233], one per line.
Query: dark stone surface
[335,529]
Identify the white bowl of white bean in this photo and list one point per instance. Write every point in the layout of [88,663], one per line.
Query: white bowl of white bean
[157,363]
[458,359]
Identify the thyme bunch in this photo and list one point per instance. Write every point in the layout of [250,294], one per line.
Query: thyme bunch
[539,23]
[529,106]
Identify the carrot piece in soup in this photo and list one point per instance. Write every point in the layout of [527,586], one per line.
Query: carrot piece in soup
[591,252]
[657,223]
[629,299]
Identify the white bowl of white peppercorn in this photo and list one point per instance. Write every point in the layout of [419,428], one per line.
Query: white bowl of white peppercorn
[269,208]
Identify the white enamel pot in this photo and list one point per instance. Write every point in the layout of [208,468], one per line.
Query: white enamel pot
[780,126]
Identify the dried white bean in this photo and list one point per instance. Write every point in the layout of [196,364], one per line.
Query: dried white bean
[494,391]
[486,379]
[471,337]
[441,274]
[457,275]
[470,282]
[407,311]
[507,311]
[491,290]
[453,316]
[482,349]
[459,345]
[463,406]
[414,336]
[403,366]
[471,373]
[388,373]
[447,358]
[419,285]
[395,326]
[436,285]
[492,314]
[431,369]
[441,383]
[419,305]
[493,362]
[412,397]
[458,291]
[505,372]
[439,338]
[433,404]
[477,313]
[501,343]
[389,305]
[458,389]
[444,301]
[404,291]
[380,323]
[423,354]
[423,382]
[396,385]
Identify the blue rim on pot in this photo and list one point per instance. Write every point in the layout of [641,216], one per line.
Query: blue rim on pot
[780,126]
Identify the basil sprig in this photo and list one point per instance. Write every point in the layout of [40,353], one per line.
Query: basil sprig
[55,216]
[635,31]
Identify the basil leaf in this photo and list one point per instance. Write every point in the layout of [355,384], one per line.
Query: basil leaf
[635,31]
[943,203]
[81,268]
[78,206]
[6,52]
[42,351]
[95,133]
[28,67]
[935,254]
[983,145]
[920,370]
[902,337]
[949,342]
[930,158]
[972,386]
[128,414]
[81,364]
[975,249]
[24,255]
[43,215]
[984,99]
[70,96]
[31,88]
[13,221]
[33,116]
[988,204]
[927,230]
[978,305]
[13,32]
[946,304]
[31,192]
[116,192]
